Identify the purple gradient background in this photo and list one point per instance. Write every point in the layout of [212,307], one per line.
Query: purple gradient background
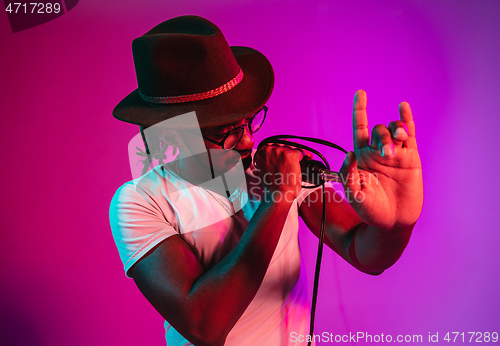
[64,155]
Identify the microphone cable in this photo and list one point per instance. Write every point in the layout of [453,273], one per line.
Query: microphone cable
[316,173]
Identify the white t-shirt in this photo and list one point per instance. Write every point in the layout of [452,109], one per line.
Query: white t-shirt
[146,211]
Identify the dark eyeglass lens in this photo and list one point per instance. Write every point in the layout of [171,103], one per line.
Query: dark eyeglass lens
[233,138]
[257,121]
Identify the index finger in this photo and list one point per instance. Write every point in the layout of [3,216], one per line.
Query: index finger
[360,121]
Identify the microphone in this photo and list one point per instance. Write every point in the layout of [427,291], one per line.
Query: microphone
[314,172]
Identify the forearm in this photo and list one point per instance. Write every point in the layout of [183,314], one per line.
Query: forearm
[373,250]
[220,296]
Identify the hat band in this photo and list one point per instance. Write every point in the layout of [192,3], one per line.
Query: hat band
[162,100]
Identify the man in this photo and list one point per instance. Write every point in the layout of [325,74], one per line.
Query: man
[226,275]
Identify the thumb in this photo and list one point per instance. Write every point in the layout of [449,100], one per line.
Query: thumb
[349,175]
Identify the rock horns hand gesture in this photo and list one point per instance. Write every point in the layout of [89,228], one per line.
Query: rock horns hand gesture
[382,178]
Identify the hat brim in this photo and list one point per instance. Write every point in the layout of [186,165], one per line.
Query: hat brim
[246,98]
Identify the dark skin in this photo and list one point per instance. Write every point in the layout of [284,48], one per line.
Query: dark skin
[204,305]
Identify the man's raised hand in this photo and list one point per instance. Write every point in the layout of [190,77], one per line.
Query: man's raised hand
[382,178]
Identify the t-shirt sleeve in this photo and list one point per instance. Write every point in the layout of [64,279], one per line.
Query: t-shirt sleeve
[306,192]
[137,224]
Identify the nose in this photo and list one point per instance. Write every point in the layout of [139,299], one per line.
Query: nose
[247,141]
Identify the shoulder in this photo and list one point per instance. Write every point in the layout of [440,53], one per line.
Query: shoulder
[143,191]
[148,185]
[140,218]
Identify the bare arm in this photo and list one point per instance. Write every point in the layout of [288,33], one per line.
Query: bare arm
[366,247]
[203,306]
[382,180]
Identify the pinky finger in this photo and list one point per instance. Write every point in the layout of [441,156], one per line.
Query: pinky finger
[407,117]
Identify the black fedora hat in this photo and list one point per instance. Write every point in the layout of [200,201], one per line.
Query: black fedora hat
[185,64]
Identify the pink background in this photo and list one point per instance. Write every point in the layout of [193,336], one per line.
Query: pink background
[64,155]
